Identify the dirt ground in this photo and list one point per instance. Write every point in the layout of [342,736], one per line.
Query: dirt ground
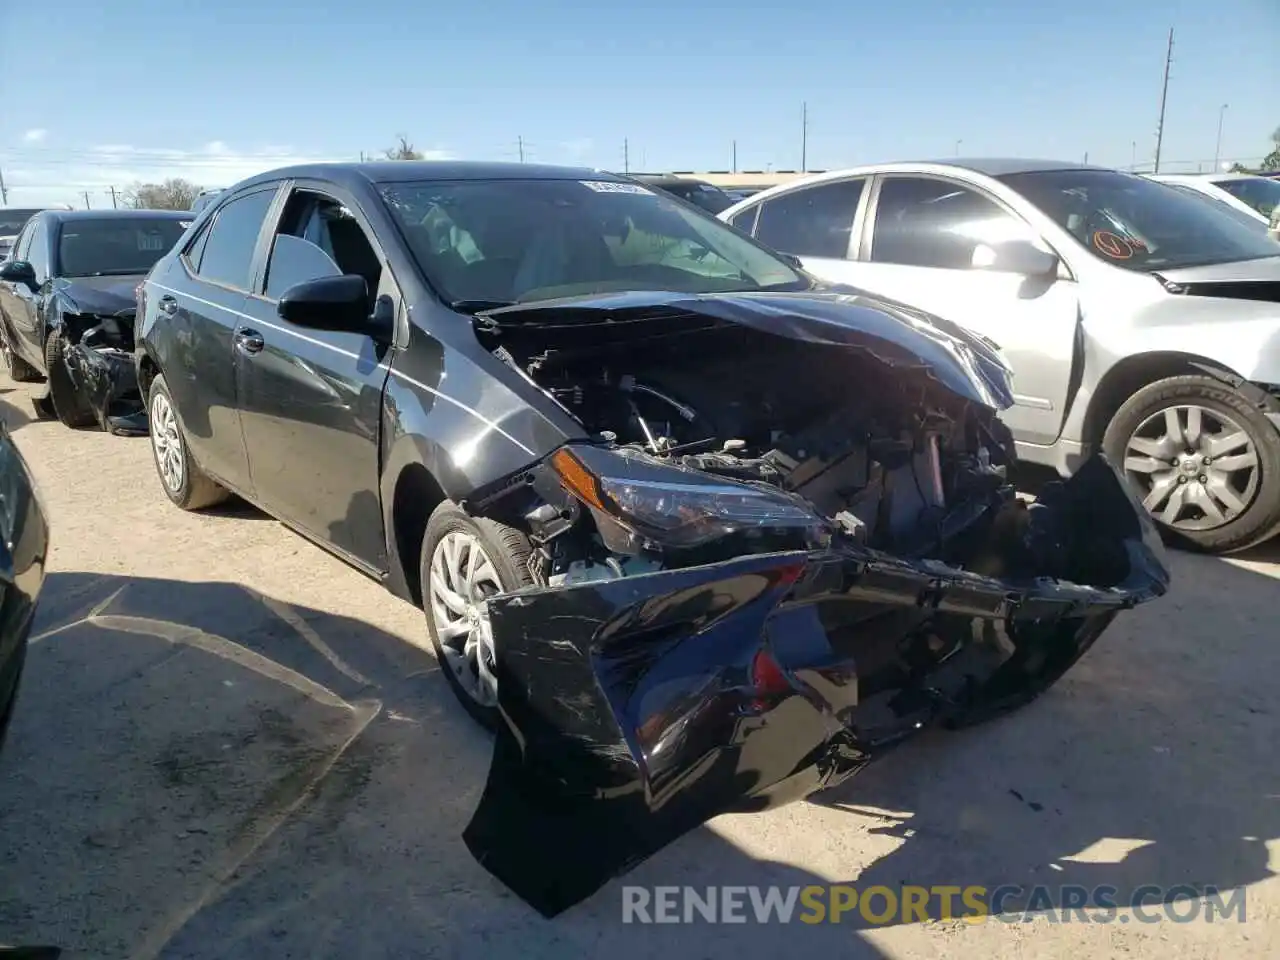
[229,744]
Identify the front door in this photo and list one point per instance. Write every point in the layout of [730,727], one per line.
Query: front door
[924,232]
[311,400]
[202,299]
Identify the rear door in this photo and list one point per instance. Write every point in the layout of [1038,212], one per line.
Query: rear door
[311,400]
[814,223]
[28,304]
[12,301]
[918,245]
[201,299]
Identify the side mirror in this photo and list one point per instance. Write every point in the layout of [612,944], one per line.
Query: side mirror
[18,271]
[328,303]
[1015,256]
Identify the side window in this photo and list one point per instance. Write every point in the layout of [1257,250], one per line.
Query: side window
[228,251]
[813,222]
[319,237]
[23,247]
[935,223]
[745,220]
[38,252]
[196,249]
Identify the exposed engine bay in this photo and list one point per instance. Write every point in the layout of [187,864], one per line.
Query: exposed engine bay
[885,456]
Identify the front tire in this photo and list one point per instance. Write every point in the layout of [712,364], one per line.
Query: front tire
[183,481]
[68,403]
[466,561]
[1204,461]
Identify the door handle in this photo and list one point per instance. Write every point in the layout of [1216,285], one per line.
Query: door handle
[168,306]
[249,341]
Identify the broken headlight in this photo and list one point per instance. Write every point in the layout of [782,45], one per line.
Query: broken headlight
[678,508]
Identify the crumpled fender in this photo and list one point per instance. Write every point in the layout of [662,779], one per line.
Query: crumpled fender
[635,709]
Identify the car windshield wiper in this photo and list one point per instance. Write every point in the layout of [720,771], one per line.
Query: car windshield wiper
[476,306]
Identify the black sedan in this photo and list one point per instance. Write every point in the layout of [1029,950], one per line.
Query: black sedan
[66,310]
[691,531]
[24,544]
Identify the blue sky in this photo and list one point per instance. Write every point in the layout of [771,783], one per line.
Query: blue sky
[111,93]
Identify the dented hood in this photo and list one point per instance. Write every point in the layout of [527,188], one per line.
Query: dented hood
[102,296]
[1264,269]
[895,334]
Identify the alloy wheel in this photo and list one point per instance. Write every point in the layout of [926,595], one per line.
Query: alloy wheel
[166,442]
[1197,468]
[463,578]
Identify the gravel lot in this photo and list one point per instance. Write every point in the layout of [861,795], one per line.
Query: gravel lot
[231,745]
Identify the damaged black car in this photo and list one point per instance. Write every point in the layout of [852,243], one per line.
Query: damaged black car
[67,301]
[692,531]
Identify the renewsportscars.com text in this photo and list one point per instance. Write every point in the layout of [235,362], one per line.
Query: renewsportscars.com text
[879,905]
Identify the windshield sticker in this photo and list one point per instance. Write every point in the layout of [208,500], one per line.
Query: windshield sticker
[607,186]
[150,241]
[1112,245]
[184,224]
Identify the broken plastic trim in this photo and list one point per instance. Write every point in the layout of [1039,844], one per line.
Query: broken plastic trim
[106,379]
[635,709]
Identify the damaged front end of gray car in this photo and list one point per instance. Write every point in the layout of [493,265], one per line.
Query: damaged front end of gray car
[787,542]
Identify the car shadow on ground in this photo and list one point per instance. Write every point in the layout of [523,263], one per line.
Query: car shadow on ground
[199,770]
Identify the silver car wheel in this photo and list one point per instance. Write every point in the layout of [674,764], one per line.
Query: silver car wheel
[1197,468]
[463,578]
[166,442]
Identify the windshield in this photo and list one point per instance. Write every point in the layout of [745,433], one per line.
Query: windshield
[1137,223]
[503,241]
[1258,192]
[12,221]
[1253,223]
[107,247]
[704,195]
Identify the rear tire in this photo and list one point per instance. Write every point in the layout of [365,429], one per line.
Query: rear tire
[1204,460]
[68,403]
[181,478]
[473,559]
[18,369]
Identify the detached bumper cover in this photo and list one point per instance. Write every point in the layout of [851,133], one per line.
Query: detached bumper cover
[637,708]
[107,379]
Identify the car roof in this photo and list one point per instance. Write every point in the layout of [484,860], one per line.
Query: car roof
[402,171]
[72,216]
[1202,176]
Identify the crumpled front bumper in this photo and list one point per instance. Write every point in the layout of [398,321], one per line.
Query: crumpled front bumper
[637,708]
[107,379]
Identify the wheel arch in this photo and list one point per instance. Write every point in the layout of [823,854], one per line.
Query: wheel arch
[1134,372]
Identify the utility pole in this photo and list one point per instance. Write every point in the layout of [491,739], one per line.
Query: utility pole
[362,156]
[1086,158]
[735,156]
[86,199]
[958,142]
[626,156]
[804,137]
[1217,146]
[114,205]
[520,146]
[4,191]
[1133,156]
[1164,97]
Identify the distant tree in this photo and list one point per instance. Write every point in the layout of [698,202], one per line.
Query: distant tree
[1271,162]
[404,150]
[173,194]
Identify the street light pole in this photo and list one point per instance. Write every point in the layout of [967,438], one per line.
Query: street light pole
[1217,146]
[958,142]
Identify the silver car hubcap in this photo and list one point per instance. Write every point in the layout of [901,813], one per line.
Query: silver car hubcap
[463,578]
[166,442]
[1197,468]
